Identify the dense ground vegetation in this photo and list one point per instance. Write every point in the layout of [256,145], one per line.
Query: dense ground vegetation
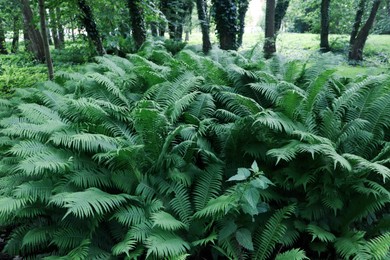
[188,156]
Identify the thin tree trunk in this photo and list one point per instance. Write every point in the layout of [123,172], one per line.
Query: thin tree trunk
[154,29]
[204,25]
[356,50]
[3,46]
[269,41]
[72,29]
[280,12]
[324,42]
[36,42]
[90,26]
[242,9]
[49,63]
[26,40]
[60,28]
[137,22]
[164,10]
[15,37]
[358,21]
[54,30]
[48,33]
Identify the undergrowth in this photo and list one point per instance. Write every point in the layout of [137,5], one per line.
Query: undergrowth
[186,156]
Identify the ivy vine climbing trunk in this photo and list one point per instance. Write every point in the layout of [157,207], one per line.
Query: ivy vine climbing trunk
[34,38]
[356,48]
[16,34]
[3,46]
[88,22]
[242,9]
[226,23]
[324,36]
[42,16]
[137,22]
[201,6]
[269,47]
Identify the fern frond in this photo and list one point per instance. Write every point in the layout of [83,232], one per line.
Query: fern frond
[272,234]
[166,221]
[292,254]
[320,233]
[166,245]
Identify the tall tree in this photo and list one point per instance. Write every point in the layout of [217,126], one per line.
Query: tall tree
[324,35]
[88,22]
[225,17]
[358,42]
[3,46]
[60,28]
[269,39]
[54,28]
[358,21]
[42,15]
[280,12]
[137,22]
[201,6]
[242,9]
[33,37]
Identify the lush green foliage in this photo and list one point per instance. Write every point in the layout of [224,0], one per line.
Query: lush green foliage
[169,156]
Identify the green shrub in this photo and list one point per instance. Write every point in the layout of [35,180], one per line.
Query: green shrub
[219,156]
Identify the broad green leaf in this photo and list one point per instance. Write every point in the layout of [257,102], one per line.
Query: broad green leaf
[244,238]
[242,174]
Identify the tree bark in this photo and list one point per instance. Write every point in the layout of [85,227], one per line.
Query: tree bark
[15,37]
[204,25]
[34,36]
[164,10]
[88,22]
[358,21]
[324,42]
[226,23]
[154,29]
[49,63]
[242,9]
[280,12]
[3,46]
[137,22]
[60,28]
[54,28]
[356,50]
[269,40]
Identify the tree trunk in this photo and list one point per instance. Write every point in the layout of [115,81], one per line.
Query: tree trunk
[137,22]
[34,36]
[15,37]
[356,50]
[280,12]
[3,46]
[269,40]
[164,10]
[226,23]
[242,9]
[54,28]
[60,28]
[324,42]
[204,25]
[88,22]
[154,29]
[49,63]
[358,21]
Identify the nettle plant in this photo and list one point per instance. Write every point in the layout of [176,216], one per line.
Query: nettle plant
[186,156]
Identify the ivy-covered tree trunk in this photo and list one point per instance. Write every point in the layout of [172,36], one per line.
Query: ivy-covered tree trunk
[137,22]
[242,9]
[154,29]
[3,46]
[176,15]
[16,34]
[356,49]
[88,22]
[201,6]
[269,39]
[324,37]
[226,23]
[188,9]
[280,12]
[34,36]
[42,16]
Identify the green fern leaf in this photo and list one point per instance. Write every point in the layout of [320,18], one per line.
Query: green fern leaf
[320,233]
[166,221]
[166,245]
[293,254]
